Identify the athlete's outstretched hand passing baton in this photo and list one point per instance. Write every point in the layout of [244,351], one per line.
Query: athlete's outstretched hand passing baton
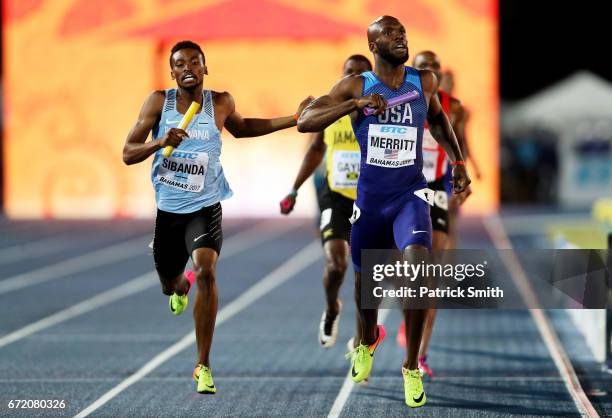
[193,108]
[404,98]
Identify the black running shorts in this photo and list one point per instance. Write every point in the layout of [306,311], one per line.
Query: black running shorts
[177,235]
[336,209]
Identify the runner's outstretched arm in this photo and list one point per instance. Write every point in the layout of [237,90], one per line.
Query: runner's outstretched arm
[242,127]
[344,98]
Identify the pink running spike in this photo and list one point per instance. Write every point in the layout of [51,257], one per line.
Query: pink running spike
[379,339]
[424,367]
[190,277]
[382,332]
[401,335]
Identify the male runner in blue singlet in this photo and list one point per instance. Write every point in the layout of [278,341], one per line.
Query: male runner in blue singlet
[189,184]
[388,212]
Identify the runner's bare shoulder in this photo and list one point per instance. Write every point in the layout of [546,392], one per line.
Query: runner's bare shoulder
[349,87]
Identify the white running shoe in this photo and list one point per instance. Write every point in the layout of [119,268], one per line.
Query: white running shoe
[328,330]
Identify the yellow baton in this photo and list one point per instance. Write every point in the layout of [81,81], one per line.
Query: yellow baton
[193,108]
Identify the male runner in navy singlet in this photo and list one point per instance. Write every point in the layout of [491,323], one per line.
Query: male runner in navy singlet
[390,210]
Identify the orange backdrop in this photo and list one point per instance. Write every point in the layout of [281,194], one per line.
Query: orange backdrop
[77,71]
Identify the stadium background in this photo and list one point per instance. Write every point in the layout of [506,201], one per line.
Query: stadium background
[75,77]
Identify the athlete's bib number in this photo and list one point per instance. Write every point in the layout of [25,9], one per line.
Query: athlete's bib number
[391,146]
[183,170]
[355,215]
[437,198]
[345,169]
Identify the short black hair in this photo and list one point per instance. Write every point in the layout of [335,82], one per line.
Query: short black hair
[184,45]
[359,57]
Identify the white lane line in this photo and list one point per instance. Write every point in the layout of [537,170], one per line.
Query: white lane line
[120,252]
[115,294]
[111,254]
[234,245]
[347,386]
[496,230]
[289,269]
[36,248]
[260,232]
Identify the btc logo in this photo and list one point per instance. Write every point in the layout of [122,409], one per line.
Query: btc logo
[393,129]
[182,154]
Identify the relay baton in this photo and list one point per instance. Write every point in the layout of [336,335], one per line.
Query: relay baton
[193,108]
[404,98]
